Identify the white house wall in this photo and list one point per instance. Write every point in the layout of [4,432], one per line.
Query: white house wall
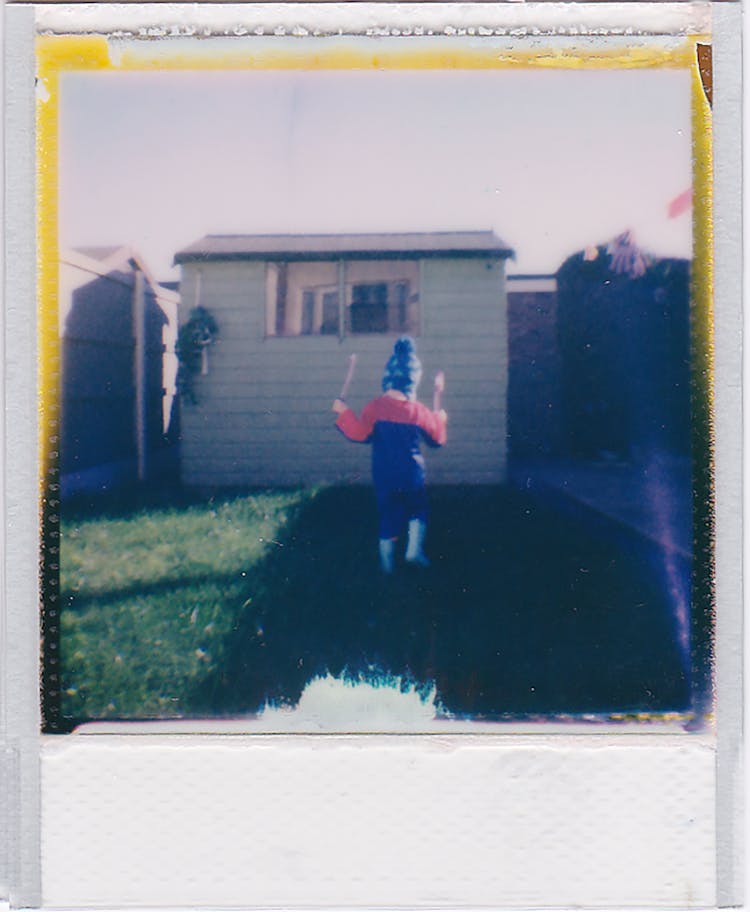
[264,411]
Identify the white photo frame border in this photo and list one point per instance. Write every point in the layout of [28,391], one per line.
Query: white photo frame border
[39,769]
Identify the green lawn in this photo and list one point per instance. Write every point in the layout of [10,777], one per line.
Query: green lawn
[150,598]
[217,607]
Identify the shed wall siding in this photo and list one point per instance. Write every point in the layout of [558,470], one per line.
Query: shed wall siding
[264,411]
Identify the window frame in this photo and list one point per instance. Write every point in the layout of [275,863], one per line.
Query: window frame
[407,287]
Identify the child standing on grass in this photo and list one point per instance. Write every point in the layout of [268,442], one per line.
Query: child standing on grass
[395,423]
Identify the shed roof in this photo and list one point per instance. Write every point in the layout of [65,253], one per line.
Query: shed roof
[116,261]
[344,246]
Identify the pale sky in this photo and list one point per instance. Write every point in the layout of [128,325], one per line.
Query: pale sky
[553,161]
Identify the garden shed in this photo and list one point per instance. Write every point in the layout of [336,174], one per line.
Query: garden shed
[289,311]
[117,329]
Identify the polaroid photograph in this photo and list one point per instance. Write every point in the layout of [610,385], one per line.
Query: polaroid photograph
[376,396]
[361,388]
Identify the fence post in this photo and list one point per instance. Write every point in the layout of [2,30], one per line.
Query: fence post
[139,371]
[342,299]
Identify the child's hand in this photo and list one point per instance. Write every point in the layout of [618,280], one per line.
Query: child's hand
[339,406]
[439,382]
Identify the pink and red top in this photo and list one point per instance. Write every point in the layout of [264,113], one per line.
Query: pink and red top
[396,428]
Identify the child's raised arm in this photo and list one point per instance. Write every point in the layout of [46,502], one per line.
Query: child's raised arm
[358,430]
[434,426]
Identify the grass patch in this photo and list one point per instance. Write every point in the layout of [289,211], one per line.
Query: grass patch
[149,599]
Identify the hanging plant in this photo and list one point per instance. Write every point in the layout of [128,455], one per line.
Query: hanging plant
[193,340]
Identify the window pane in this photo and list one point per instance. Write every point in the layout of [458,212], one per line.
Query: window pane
[370,308]
[398,314]
[302,299]
[308,312]
[382,296]
[330,317]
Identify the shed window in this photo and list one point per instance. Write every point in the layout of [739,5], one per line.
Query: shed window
[380,297]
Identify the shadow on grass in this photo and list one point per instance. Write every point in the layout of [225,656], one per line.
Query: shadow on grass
[524,611]
[130,500]
[77,601]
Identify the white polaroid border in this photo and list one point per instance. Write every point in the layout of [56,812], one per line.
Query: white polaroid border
[20,681]
[728,310]
[366,821]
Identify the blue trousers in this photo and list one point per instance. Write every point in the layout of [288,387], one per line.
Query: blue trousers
[397,507]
